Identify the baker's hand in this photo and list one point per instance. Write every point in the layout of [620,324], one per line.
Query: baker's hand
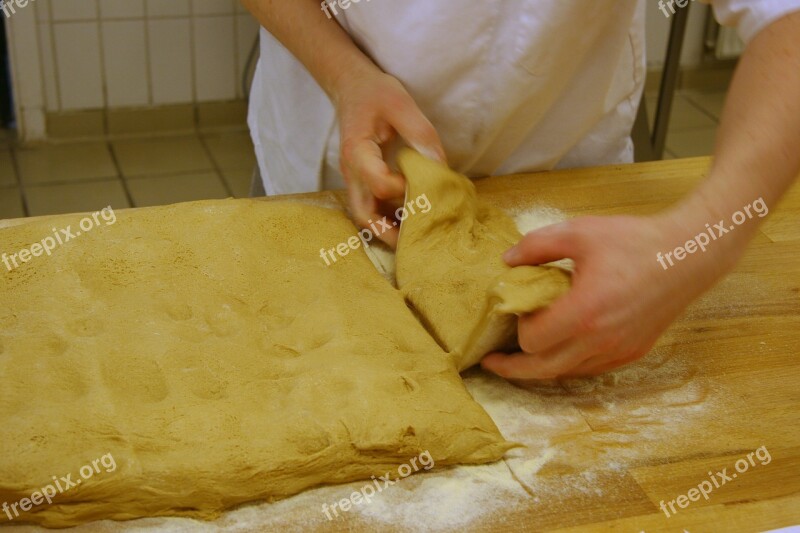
[621,301]
[373,108]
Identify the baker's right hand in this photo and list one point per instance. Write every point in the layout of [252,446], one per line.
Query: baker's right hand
[373,109]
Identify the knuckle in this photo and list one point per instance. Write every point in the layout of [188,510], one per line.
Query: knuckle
[348,150]
[397,101]
[382,190]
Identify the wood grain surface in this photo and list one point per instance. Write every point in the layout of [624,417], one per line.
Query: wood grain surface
[723,382]
[741,340]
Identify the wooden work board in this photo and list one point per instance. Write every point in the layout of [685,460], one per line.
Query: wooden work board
[602,453]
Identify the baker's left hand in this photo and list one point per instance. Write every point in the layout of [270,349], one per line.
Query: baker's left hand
[621,300]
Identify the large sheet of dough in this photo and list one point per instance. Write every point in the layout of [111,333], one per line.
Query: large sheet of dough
[209,349]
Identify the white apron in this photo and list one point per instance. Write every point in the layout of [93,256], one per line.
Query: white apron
[510,85]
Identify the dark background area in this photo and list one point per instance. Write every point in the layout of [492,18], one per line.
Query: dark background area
[6,109]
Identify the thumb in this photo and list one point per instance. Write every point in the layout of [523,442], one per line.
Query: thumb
[544,245]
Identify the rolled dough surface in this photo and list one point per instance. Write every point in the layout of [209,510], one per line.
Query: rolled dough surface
[214,354]
[450,269]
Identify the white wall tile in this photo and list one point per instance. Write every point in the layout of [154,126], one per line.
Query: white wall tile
[48,68]
[125,61]
[121,9]
[78,56]
[26,71]
[73,10]
[170,60]
[246,32]
[168,8]
[213,7]
[147,51]
[215,65]
[24,47]
[42,11]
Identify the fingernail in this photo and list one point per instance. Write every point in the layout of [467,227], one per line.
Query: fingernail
[511,255]
[427,152]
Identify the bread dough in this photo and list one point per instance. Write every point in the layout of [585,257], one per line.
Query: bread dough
[450,269]
[211,351]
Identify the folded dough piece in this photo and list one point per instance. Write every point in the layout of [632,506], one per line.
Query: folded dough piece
[450,269]
[209,349]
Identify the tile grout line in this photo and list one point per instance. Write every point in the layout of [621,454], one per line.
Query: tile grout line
[701,109]
[120,174]
[217,168]
[18,176]
[82,181]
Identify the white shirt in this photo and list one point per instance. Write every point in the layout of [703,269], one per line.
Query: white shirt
[510,85]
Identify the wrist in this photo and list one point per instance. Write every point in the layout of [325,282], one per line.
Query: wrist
[696,225]
[346,74]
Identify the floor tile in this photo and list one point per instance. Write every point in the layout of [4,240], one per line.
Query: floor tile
[164,190]
[686,115]
[691,143]
[712,103]
[239,182]
[232,151]
[65,163]
[8,176]
[161,156]
[11,203]
[75,197]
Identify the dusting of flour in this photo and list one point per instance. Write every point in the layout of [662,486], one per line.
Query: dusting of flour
[578,437]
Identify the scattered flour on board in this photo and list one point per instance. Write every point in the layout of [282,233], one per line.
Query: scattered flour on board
[538,217]
[651,405]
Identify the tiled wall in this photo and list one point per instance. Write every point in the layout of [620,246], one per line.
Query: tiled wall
[126,53]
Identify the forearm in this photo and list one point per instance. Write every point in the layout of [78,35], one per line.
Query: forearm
[318,42]
[757,154]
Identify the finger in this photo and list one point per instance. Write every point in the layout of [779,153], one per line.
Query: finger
[366,215]
[601,364]
[418,132]
[362,162]
[367,165]
[544,245]
[564,319]
[593,369]
[594,366]
[362,204]
[389,234]
[535,366]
